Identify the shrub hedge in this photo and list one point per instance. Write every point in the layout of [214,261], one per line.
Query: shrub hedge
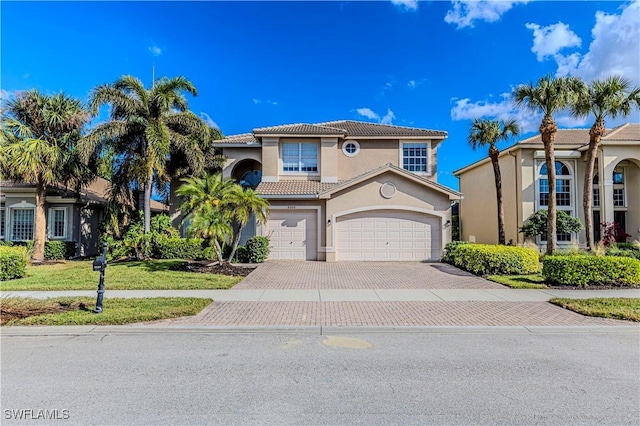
[257,249]
[449,251]
[484,259]
[179,248]
[56,250]
[13,262]
[584,271]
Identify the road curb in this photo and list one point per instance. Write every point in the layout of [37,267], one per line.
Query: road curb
[319,330]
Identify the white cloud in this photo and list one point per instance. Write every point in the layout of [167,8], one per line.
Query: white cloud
[370,114]
[260,101]
[411,84]
[548,41]
[388,118]
[207,119]
[613,48]
[155,50]
[465,12]
[504,109]
[411,5]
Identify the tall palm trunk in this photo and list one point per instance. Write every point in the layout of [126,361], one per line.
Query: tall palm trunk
[147,203]
[548,129]
[40,231]
[493,154]
[595,134]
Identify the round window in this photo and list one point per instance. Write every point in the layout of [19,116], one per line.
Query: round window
[351,148]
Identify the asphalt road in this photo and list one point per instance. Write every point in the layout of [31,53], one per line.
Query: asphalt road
[502,377]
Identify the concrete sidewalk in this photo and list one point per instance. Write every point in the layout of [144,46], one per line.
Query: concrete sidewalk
[358,295]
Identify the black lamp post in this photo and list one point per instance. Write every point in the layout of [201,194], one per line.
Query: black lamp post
[100,264]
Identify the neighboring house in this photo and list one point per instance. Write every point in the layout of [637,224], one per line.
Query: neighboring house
[345,190]
[616,187]
[69,217]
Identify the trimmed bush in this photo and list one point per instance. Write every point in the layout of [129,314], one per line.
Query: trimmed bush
[179,248]
[450,249]
[580,270]
[485,259]
[56,250]
[257,249]
[624,250]
[13,262]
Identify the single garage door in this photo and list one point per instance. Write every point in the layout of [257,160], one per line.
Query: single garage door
[293,235]
[388,235]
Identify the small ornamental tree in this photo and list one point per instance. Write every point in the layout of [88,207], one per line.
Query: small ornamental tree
[536,224]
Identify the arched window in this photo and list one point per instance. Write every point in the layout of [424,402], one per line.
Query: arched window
[564,197]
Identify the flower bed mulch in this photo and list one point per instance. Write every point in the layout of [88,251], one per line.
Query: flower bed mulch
[215,268]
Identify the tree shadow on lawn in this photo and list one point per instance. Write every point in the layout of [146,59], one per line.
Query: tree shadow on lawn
[153,265]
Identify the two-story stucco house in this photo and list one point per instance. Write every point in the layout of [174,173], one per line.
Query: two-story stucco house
[616,185]
[345,190]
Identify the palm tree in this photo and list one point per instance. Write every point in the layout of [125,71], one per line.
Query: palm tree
[241,203]
[485,132]
[203,206]
[609,97]
[549,96]
[38,145]
[146,126]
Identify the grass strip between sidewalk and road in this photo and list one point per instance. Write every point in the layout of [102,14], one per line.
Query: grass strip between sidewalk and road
[519,281]
[149,275]
[79,310]
[615,308]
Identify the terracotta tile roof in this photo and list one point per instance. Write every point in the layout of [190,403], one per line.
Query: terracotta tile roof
[626,132]
[361,128]
[299,129]
[244,138]
[293,187]
[341,128]
[563,137]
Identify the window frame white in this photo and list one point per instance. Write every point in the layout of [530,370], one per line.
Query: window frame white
[571,208]
[13,222]
[299,171]
[621,186]
[350,142]
[51,224]
[427,171]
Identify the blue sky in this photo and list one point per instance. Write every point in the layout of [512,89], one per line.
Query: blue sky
[433,64]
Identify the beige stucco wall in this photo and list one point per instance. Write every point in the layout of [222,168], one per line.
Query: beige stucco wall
[373,154]
[478,208]
[236,155]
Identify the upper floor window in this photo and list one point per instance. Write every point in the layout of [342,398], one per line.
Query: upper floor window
[564,199]
[414,157]
[596,191]
[58,222]
[22,224]
[563,185]
[300,157]
[350,148]
[618,188]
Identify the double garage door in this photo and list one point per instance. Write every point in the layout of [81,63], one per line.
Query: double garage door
[381,235]
[388,235]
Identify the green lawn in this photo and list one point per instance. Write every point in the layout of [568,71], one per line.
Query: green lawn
[519,281]
[150,275]
[115,311]
[616,308]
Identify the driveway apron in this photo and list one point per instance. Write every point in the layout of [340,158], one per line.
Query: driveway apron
[338,284]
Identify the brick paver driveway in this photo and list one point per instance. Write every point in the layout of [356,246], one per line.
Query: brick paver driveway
[400,276]
[361,275]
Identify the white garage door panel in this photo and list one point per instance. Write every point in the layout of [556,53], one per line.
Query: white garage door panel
[388,235]
[292,235]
